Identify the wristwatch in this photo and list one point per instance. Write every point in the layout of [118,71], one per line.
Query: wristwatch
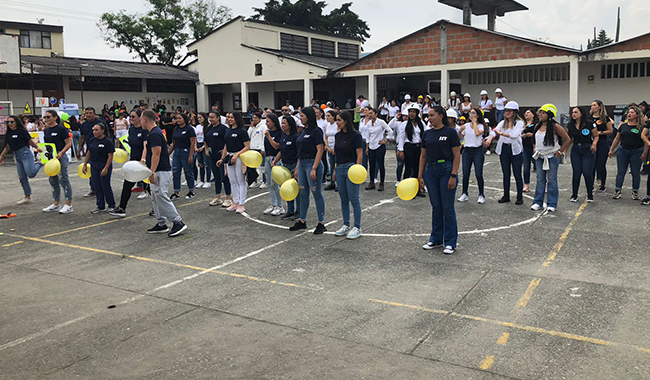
[454,175]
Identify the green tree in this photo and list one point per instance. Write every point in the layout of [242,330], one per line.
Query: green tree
[159,34]
[601,39]
[310,14]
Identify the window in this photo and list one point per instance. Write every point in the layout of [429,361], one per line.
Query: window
[348,51]
[35,39]
[524,75]
[322,48]
[293,43]
[258,69]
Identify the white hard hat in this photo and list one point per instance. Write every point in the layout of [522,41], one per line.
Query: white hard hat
[413,106]
[498,90]
[484,92]
[453,93]
[512,105]
[467,95]
[407,97]
[452,113]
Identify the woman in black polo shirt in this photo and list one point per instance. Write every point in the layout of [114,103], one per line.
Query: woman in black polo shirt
[100,156]
[439,162]
[56,134]
[605,126]
[237,142]
[19,141]
[348,151]
[215,136]
[183,144]
[583,153]
[634,149]
[310,170]
[288,156]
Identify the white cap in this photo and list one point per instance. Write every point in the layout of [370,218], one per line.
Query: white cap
[467,95]
[453,93]
[407,97]
[498,90]
[452,113]
[512,105]
[413,106]
[483,92]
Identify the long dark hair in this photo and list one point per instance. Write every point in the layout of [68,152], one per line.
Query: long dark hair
[410,128]
[55,115]
[293,128]
[549,138]
[19,123]
[274,119]
[311,118]
[239,119]
[583,120]
[349,130]
[205,119]
[441,111]
[480,119]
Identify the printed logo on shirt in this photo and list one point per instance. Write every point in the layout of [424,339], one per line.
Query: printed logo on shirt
[307,136]
[233,135]
[184,132]
[634,130]
[288,142]
[54,134]
[14,136]
[443,138]
[100,145]
[139,135]
[586,132]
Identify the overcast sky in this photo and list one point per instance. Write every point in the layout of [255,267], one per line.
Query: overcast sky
[568,23]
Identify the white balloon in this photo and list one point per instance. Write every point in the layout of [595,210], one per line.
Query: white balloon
[135,171]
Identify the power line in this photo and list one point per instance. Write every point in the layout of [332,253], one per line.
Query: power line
[50,9]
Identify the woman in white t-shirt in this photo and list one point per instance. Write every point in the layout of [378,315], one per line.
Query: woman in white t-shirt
[466,106]
[321,121]
[383,109]
[486,105]
[363,130]
[201,157]
[473,134]
[453,103]
[330,133]
[500,105]
[393,109]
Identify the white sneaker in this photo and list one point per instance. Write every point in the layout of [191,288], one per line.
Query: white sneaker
[66,209]
[463,198]
[184,183]
[430,246]
[376,181]
[89,194]
[448,250]
[342,231]
[397,183]
[264,185]
[51,208]
[551,209]
[254,185]
[24,201]
[143,195]
[535,207]
[354,233]
[488,153]
[198,185]
[207,185]
[481,199]
[269,210]
[278,211]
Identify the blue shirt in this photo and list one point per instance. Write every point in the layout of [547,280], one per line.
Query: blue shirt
[269,150]
[307,143]
[18,139]
[235,139]
[137,137]
[182,137]
[87,129]
[344,155]
[289,149]
[156,138]
[215,139]
[57,136]
[100,149]
[439,143]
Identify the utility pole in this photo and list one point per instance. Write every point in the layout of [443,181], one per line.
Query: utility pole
[618,25]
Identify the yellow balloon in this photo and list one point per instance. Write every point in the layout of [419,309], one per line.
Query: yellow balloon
[280,174]
[408,189]
[80,172]
[52,167]
[146,180]
[357,174]
[251,158]
[120,156]
[289,190]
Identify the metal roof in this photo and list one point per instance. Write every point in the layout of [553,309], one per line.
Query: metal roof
[30,26]
[328,63]
[484,7]
[103,68]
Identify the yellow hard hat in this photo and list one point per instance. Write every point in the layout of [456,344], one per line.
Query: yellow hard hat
[548,107]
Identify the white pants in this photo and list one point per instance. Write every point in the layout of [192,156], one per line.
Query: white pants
[120,132]
[237,182]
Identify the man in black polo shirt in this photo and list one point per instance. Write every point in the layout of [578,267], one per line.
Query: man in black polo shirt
[86,135]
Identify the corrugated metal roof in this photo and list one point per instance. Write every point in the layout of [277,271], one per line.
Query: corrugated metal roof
[324,62]
[104,68]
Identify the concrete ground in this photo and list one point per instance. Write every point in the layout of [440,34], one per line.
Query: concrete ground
[527,295]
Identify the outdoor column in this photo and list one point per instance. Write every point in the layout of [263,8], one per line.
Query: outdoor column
[444,87]
[244,97]
[308,92]
[202,98]
[372,93]
[574,78]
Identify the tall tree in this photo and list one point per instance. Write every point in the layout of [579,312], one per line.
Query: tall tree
[310,14]
[600,39]
[159,34]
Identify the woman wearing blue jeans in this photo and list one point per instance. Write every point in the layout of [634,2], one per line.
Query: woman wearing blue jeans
[632,153]
[473,154]
[348,150]
[58,135]
[288,157]
[310,169]
[584,135]
[183,145]
[438,169]
[19,141]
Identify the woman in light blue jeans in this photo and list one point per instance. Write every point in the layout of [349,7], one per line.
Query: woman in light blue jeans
[19,141]
[348,150]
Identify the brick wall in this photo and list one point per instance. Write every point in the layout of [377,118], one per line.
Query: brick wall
[637,43]
[464,44]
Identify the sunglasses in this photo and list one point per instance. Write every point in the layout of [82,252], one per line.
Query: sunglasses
[132,116]
[47,117]
[11,122]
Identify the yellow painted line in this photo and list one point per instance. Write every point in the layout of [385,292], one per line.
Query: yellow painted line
[414,307]
[486,363]
[523,301]
[156,261]
[14,243]
[560,243]
[503,339]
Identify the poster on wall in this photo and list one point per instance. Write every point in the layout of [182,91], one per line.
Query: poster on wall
[236,101]
[71,109]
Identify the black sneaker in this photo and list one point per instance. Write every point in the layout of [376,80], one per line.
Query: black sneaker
[331,186]
[504,199]
[574,198]
[190,195]
[298,226]
[174,197]
[152,213]
[520,200]
[646,200]
[295,216]
[602,188]
[177,229]
[320,228]
[590,198]
[118,212]
[158,229]
[287,216]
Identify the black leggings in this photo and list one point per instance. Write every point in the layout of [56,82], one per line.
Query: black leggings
[126,193]
[411,160]
[377,159]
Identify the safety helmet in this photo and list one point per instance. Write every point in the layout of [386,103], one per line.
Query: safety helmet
[452,113]
[413,106]
[483,92]
[462,118]
[420,97]
[407,97]
[467,95]
[453,93]
[512,105]
[498,90]
[548,107]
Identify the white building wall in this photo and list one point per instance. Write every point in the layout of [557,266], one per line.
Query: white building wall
[613,91]
[262,37]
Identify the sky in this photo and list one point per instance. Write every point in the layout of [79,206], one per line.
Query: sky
[562,22]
